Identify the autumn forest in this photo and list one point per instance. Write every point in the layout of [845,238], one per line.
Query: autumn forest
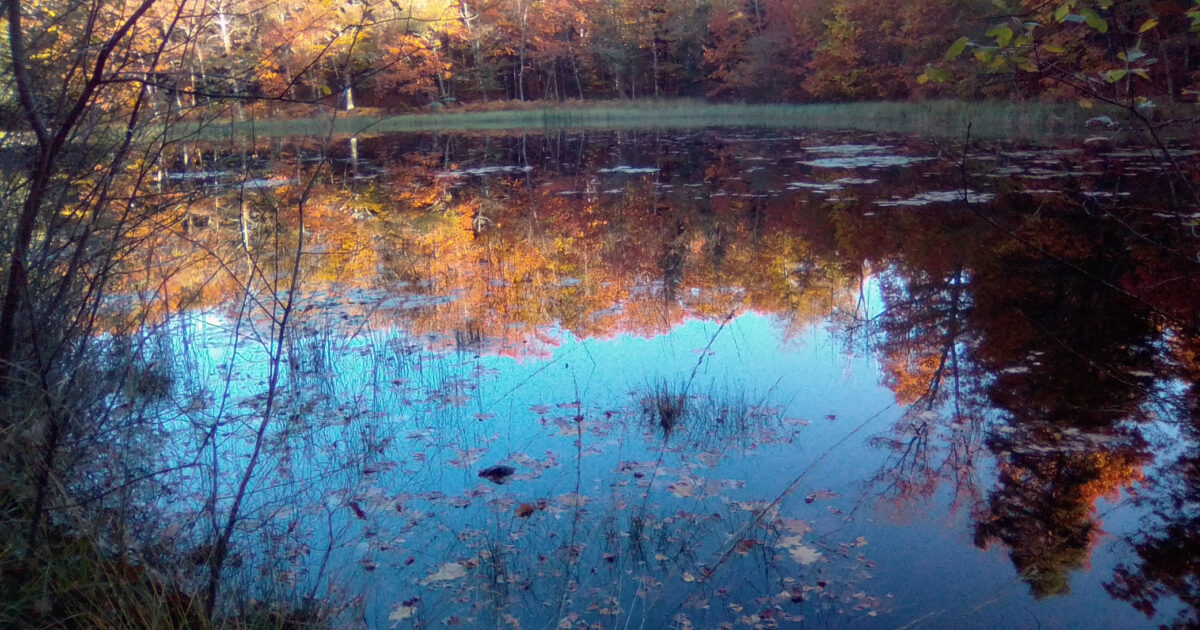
[402,55]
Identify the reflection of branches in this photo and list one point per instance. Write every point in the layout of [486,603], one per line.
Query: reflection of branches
[1167,566]
[921,344]
[926,450]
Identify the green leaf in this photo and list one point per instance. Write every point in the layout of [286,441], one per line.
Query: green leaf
[1131,55]
[1147,25]
[1061,12]
[933,75]
[956,48]
[1141,73]
[1098,24]
[1112,76]
[1051,48]
[1002,33]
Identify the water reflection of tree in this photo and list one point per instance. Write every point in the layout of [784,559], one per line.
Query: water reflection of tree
[922,338]
[1168,543]
[1043,507]
[1072,360]
[1044,325]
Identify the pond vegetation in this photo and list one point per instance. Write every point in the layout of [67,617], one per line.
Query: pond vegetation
[988,119]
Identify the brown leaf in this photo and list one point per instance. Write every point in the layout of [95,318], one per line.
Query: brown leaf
[745,545]
[525,510]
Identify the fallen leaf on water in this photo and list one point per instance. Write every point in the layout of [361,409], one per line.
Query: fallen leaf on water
[804,555]
[798,550]
[572,500]
[745,545]
[447,572]
[688,577]
[525,510]
[401,612]
[819,495]
[795,525]
[682,488]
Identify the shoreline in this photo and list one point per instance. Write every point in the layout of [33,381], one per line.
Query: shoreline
[950,119]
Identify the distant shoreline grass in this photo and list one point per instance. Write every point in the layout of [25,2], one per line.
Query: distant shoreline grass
[988,119]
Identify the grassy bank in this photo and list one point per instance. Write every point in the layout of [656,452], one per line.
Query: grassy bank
[940,118]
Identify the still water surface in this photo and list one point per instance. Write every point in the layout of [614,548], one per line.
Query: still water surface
[713,379]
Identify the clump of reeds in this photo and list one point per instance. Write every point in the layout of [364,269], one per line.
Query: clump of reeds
[666,407]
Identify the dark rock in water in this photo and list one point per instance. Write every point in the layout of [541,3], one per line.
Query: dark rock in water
[497,474]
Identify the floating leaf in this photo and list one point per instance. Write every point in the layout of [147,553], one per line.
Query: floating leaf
[799,551]
[820,495]
[447,572]
[401,612]
[745,545]
[525,510]
[688,577]
[682,489]
[804,554]
[795,525]
[572,499]
[956,48]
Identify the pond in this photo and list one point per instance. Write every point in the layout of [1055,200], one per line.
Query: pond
[705,379]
